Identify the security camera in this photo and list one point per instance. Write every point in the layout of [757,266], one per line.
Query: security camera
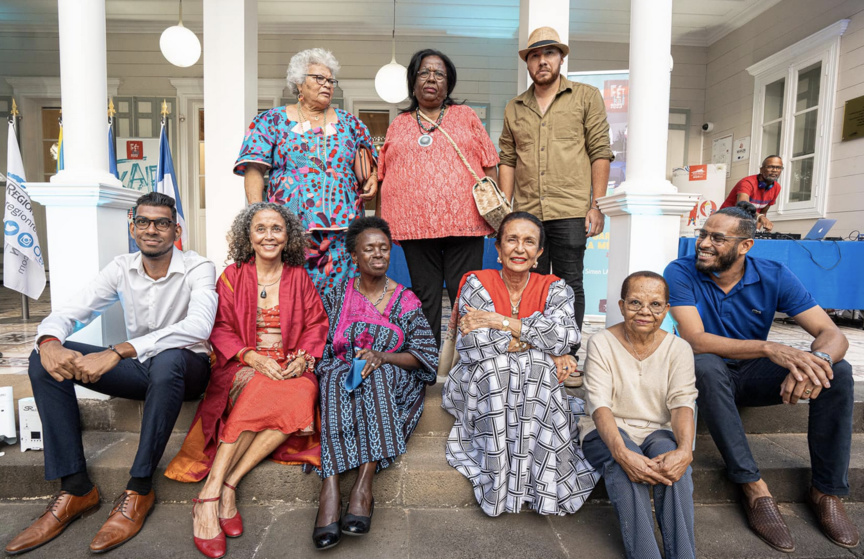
[708,127]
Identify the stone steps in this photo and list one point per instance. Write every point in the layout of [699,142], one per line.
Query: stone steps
[118,414]
[421,478]
[284,530]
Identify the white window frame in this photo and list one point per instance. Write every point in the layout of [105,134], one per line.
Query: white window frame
[824,47]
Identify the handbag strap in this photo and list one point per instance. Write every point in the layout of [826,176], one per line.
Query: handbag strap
[452,142]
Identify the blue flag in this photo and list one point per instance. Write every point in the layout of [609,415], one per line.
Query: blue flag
[112,152]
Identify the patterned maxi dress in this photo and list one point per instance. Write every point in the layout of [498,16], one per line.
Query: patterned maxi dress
[315,179]
[516,431]
[373,422]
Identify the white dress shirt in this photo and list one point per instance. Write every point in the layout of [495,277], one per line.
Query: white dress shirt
[175,311]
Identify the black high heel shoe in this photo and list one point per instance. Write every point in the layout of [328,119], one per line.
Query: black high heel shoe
[354,525]
[328,536]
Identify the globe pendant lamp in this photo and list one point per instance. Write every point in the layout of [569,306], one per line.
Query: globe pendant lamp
[179,45]
[391,81]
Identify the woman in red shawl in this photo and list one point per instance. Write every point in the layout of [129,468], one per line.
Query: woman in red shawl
[261,400]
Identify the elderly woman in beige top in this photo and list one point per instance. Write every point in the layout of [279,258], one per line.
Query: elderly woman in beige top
[640,394]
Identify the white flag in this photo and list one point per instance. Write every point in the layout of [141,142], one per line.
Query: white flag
[23,267]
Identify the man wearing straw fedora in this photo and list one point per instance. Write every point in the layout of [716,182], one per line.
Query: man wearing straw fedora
[555,158]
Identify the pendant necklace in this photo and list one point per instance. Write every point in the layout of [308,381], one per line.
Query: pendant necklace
[264,287]
[381,298]
[425,140]
[639,355]
[320,150]
[514,309]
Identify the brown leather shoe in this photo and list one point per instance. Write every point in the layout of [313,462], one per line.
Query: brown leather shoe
[834,522]
[127,517]
[60,513]
[764,518]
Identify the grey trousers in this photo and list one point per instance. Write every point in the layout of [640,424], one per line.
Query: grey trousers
[632,501]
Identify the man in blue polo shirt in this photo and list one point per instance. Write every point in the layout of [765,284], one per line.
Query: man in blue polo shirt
[724,302]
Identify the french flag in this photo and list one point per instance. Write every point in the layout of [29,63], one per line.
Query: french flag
[166,183]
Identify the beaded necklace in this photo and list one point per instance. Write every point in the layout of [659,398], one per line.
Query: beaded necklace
[425,139]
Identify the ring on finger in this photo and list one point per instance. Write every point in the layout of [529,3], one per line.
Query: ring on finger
[808,391]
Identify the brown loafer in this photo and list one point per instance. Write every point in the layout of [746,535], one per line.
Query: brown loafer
[127,518]
[60,513]
[765,520]
[834,522]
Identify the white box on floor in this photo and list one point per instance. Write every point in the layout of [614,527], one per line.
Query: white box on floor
[31,425]
[8,434]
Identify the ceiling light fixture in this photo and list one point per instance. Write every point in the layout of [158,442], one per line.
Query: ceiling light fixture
[391,81]
[179,45]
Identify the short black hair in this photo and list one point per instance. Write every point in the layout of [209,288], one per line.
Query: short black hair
[362,224]
[156,199]
[414,69]
[513,216]
[625,287]
[745,213]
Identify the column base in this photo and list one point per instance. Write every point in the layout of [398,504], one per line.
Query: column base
[644,232]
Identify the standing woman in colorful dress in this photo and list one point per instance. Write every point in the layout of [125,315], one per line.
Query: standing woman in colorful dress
[427,198]
[312,172]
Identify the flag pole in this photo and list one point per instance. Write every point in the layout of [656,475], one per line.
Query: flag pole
[25,301]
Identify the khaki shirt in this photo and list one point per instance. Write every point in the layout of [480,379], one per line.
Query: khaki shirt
[552,153]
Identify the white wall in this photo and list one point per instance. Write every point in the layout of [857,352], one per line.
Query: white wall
[729,95]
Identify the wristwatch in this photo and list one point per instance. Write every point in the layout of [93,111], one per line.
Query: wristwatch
[823,355]
[506,323]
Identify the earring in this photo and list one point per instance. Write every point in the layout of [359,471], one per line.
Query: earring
[535,264]
[499,260]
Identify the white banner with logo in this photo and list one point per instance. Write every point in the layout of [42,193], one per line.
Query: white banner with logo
[23,267]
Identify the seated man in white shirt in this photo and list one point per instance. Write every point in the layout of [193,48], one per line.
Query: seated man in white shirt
[169,303]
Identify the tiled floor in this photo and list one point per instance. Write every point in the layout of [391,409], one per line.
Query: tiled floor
[16,334]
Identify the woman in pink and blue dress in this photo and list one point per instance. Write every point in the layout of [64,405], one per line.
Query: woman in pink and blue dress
[309,149]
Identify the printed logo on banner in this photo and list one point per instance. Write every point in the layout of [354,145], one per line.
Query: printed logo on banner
[25,240]
[11,228]
[698,172]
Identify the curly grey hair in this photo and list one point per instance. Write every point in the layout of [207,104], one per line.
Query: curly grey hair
[240,247]
[298,67]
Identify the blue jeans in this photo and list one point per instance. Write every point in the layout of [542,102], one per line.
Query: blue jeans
[632,501]
[724,385]
[163,382]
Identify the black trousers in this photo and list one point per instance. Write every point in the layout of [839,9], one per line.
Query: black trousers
[431,262]
[162,382]
[565,250]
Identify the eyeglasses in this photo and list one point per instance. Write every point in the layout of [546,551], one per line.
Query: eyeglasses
[774,167]
[716,238]
[143,223]
[321,80]
[439,76]
[656,307]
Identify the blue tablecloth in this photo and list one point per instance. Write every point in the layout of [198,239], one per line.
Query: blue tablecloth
[833,271]
[399,269]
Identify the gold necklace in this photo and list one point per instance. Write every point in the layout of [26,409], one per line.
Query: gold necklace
[639,355]
[381,298]
[514,309]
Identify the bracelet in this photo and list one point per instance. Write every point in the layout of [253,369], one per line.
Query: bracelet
[242,356]
[47,339]
[114,349]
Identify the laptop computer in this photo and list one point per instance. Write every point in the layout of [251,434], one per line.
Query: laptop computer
[820,229]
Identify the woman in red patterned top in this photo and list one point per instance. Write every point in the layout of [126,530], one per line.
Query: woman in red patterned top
[427,197]
[261,400]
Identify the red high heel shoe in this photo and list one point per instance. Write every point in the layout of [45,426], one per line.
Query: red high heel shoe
[233,526]
[214,548]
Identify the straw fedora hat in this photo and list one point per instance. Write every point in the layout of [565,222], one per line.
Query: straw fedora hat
[543,37]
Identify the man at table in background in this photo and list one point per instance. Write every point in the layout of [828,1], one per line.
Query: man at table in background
[724,303]
[555,158]
[761,190]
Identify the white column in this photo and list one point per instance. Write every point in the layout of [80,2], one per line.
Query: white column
[645,210]
[83,83]
[541,13]
[230,103]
